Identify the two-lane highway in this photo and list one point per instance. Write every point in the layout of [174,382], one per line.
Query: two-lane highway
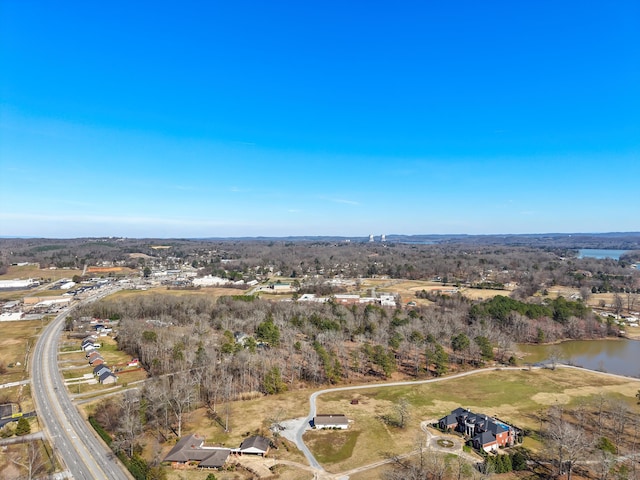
[74,442]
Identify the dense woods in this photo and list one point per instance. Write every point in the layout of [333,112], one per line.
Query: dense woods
[236,345]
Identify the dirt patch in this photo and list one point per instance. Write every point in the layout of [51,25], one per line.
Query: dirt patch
[104,269]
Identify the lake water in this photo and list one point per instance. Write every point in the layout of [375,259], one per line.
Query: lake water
[598,253]
[621,356]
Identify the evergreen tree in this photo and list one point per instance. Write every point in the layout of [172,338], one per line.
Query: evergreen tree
[518,461]
[273,382]
[268,332]
[23,427]
[441,359]
[508,465]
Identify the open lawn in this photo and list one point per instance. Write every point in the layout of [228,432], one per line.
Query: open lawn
[516,396]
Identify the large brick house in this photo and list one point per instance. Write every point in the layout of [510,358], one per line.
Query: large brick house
[486,433]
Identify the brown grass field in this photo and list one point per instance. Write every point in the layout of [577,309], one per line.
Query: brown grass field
[213,292]
[15,338]
[515,396]
[103,270]
[33,271]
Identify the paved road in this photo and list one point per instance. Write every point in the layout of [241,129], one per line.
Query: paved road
[74,442]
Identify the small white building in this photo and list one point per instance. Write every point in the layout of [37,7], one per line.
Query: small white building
[331,421]
[387,300]
[209,281]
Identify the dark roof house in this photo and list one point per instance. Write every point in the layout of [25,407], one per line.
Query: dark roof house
[191,449]
[256,444]
[486,433]
[107,378]
[100,369]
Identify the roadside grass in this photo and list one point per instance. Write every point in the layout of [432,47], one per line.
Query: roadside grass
[15,338]
[20,394]
[377,472]
[13,465]
[516,396]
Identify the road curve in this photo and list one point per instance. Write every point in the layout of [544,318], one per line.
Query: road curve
[73,441]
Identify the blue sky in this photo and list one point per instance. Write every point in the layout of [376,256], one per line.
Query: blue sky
[197,119]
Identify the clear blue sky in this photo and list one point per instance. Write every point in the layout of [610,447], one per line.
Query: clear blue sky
[196,119]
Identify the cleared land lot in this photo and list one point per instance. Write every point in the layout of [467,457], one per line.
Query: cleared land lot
[15,339]
[34,271]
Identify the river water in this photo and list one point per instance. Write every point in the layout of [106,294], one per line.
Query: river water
[621,356]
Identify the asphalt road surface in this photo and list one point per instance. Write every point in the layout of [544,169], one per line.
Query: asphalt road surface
[74,441]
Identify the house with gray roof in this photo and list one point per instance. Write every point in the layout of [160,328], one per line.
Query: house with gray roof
[107,378]
[331,420]
[191,449]
[100,369]
[486,433]
[257,444]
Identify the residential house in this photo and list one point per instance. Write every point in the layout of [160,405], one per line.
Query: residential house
[91,354]
[97,361]
[100,369]
[191,449]
[256,445]
[107,378]
[93,357]
[331,421]
[450,422]
[486,433]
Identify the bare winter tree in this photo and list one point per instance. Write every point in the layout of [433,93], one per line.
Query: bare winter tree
[568,444]
[428,465]
[402,409]
[31,461]
[130,425]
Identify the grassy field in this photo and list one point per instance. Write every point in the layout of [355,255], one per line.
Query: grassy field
[15,339]
[207,291]
[518,397]
[33,271]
